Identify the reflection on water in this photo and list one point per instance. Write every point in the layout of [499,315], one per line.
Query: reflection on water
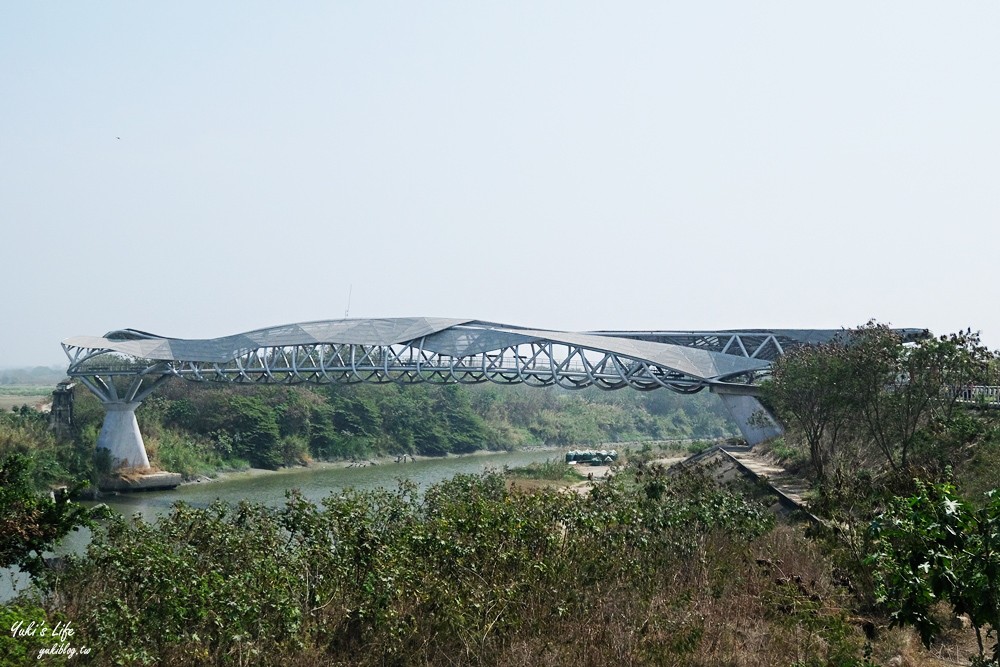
[269,488]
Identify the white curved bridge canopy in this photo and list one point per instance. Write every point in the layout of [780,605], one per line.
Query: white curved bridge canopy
[124,366]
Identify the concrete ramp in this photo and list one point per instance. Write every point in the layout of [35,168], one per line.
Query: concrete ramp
[731,467]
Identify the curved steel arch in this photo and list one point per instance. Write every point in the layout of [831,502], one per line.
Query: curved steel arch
[411,350]
[124,366]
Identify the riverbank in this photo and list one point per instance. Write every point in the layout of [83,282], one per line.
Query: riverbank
[270,487]
[557,451]
[580,478]
[343,464]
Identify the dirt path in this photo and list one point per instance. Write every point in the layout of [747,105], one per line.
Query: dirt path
[593,473]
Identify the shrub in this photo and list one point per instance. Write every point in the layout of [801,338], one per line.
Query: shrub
[935,546]
[24,635]
[662,571]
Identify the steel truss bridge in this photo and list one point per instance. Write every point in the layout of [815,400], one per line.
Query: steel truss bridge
[123,367]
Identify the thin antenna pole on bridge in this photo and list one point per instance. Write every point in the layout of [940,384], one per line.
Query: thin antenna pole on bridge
[347,310]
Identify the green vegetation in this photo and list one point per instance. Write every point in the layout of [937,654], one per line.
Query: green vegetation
[29,390]
[552,470]
[196,429]
[25,431]
[935,547]
[870,403]
[31,523]
[905,471]
[645,568]
[658,571]
[16,648]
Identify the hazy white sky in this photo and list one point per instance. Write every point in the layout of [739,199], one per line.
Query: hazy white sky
[199,169]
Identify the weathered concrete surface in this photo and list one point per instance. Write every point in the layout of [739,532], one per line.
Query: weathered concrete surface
[791,486]
[120,435]
[727,467]
[756,424]
[152,481]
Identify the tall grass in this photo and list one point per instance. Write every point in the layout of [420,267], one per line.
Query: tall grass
[553,470]
[179,452]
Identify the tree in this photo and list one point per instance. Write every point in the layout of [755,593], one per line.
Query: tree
[31,523]
[902,391]
[255,431]
[810,387]
[870,386]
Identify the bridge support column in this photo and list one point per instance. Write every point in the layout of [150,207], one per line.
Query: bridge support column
[120,435]
[755,422]
[120,431]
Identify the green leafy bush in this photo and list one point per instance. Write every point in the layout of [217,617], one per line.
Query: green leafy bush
[25,635]
[935,546]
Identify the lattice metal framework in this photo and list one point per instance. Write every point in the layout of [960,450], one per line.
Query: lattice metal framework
[767,344]
[538,364]
[465,353]
[124,366]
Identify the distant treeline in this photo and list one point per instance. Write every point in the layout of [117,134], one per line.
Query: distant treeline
[191,427]
[38,375]
[197,429]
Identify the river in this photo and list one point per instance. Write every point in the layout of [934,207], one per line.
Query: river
[315,482]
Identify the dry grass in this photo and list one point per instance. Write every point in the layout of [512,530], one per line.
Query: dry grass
[773,604]
[901,647]
[36,401]
[134,474]
[529,485]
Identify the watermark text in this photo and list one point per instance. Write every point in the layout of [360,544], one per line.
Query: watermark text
[61,633]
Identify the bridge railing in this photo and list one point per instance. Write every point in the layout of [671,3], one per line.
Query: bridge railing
[983,394]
